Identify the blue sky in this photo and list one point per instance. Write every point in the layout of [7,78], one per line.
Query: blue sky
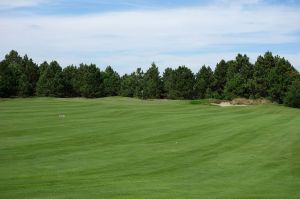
[132,33]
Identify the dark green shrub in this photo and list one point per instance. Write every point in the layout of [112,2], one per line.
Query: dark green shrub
[292,98]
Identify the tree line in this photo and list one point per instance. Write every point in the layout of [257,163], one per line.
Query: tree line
[271,77]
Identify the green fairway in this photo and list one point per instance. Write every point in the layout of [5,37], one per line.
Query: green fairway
[129,148]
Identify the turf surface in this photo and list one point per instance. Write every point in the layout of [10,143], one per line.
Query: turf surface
[128,148]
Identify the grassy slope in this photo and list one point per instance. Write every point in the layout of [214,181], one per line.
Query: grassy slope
[127,148]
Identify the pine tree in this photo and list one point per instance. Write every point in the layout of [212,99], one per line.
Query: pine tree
[152,83]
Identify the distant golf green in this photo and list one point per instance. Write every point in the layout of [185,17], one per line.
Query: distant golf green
[128,148]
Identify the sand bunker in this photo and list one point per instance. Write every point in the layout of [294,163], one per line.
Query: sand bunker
[227,104]
[240,102]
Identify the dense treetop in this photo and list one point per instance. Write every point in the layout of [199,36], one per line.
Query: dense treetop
[271,77]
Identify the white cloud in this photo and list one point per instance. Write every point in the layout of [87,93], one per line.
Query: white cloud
[8,4]
[136,38]
[238,2]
